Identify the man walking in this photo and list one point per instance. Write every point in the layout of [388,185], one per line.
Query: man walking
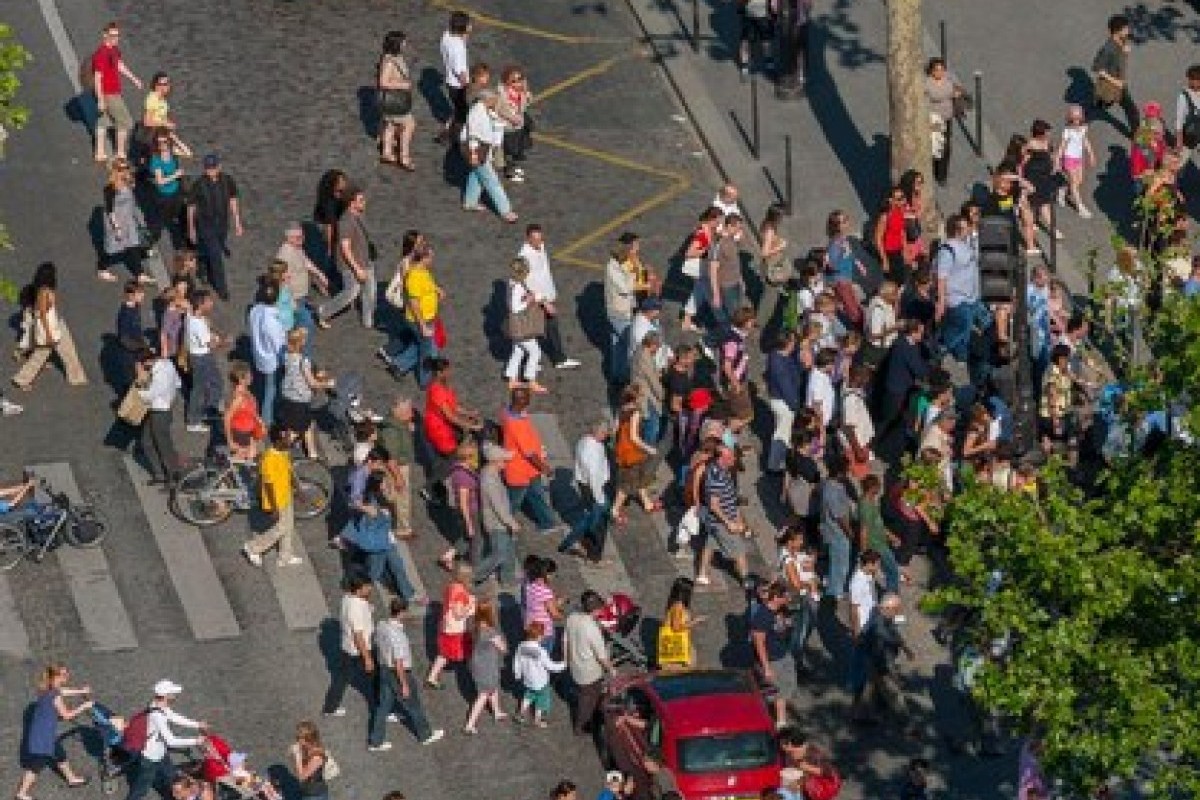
[355,263]
[107,69]
[301,272]
[500,527]
[525,474]
[396,436]
[161,379]
[587,658]
[200,341]
[267,340]
[880,643]
[156,737]
[770,645]
[592,475]
[725,272]
[722,517]
[457,68]
[396,685]
[958,306]
[211,206]
[357,628]
[275,475]
[1111,70]
[1187,115]
[541,282]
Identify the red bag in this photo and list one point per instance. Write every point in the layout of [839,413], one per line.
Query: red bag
[133,737]
[439,334]
[823,787]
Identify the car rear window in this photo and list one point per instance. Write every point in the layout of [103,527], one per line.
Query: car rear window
[701,684]
[717,753]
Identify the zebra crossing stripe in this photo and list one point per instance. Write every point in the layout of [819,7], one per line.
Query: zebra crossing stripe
[189,566]
[105,621]
[14,639]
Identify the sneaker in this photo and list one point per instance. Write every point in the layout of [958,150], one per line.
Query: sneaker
[9,408]
[198,427]
[252,557]
[568,363]
[708,352]
[340,711]
[294,561]
[703,580]
[382,747]
[436,736]
[516,177]
[393,718]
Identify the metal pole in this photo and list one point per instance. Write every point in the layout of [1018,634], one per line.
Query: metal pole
[942,37]
[979,113]
[754,114]
[787,174]
[695,26]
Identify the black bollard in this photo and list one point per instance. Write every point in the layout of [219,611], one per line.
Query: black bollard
[787,173]
[979,114]
[942,38]
[754,116]
[695,26]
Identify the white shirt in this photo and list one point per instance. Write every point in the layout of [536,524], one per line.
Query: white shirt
[164,383]
[726,208]
[520,295]
[159,735]
[199,336]
[591,466]
[480,127]
[539,279]
[856,416]
[881,315]
[862,596]
[267,337]
[805,563]
[820,389]
[356,618]
[532,665]
[454,59]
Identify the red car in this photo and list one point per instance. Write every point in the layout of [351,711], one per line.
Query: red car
[710,728]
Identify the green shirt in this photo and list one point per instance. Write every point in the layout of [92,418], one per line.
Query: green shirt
[397,439]
[872,522]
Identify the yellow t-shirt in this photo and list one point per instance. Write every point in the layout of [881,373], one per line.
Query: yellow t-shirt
[275,472]
[421,289]
[157,108]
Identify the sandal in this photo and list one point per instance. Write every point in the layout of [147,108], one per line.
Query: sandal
[406,164]
[79,783]
[511,217]
[383,160]
[106,276]
[654,507]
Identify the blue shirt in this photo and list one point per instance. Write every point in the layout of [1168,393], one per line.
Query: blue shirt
[785,378]
[41,739]
[841,259]
[166,166]
[1191,287]
[958,265]
[267,337]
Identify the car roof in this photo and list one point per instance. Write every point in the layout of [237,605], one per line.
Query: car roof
[708,702]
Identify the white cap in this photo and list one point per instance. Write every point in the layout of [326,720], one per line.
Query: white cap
[613,776]
[166,688]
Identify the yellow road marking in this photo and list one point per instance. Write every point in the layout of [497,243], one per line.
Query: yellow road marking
[479,18]
[579,77]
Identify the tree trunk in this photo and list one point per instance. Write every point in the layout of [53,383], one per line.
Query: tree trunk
[911,134]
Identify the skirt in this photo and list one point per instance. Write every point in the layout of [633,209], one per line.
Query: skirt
[452,646]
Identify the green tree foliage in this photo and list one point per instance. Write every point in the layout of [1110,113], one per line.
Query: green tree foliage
[13,115]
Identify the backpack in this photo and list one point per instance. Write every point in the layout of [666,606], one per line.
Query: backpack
[137,731]
[1191,122]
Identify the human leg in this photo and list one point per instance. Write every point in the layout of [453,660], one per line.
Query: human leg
[554,346]
[587,700]
[31,367]
[839,562]
[399,570]
[781,438]
[414,709]
[368,298]
[345,297]
[491,184]
[385,701]
[538,505]
[339,679]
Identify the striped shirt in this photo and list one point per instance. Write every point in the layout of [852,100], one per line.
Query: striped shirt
[537,596]
[719,483]
[391,643]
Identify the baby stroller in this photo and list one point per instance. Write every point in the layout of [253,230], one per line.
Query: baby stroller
[621,620]
[345,408]
[114,760]
[226,771]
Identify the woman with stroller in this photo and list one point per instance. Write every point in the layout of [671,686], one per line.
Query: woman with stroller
[40,742]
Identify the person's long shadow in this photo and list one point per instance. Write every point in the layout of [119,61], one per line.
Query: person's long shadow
[1079,86]
[368,111]
[429,85]
[866,163]
[495,314]
[1114,193]
[589,310]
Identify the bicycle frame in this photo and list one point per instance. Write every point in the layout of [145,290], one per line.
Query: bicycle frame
[237,495]
[52,537]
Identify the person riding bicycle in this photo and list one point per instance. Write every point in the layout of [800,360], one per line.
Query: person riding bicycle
[14,505]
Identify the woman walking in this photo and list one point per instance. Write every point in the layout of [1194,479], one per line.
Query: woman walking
[675,648]
[526,358]
[942,89]
[308,762]
[41,747]
[487,654]
[123,224]
[458,607]
[395,103]
[44,332]
[166,175]
[633,457]
[296,391]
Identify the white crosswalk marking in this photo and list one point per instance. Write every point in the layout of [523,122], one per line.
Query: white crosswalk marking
[299,591]
[188,564]
[14,639]
[105,621]
[684,567]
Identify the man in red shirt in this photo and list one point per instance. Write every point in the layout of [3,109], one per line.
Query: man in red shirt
[697,252]
[107,69]
[525,473]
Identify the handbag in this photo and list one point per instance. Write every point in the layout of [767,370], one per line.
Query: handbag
[1106,91]
[689,526]
[440,339]
[825,786]
[777,269]
[331,769]
[691,267]
[133,408]
[962,103]
[529,323]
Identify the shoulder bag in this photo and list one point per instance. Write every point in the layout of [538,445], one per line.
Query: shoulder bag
[395,102]
[529,323]
[133,408]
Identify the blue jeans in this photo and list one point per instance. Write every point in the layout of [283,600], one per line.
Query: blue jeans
[390,561]
[839,561]
[408,350]
[651,427]
[955,328]
[891,570]
[268,384]
[306,321]
[804,615]
[148,775]
[732,298]
[388,697]
[592,524]
[618,354]
[501,557]
[539,509]
[483,178]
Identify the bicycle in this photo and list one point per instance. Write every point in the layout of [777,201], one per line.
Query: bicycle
[46,525]
[208,494]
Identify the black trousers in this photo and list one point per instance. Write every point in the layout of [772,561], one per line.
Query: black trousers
[587,700]
[211,248]
[158,445]
[941,166]
[553,341]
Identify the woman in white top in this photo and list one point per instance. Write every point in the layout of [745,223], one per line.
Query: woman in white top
[1073,147]
[44,332]
[797,567]
[882,325]
[526,357]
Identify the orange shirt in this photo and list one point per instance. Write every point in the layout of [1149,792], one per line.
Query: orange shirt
[522,440]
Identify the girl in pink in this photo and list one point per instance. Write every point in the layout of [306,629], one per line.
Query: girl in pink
[1073,148]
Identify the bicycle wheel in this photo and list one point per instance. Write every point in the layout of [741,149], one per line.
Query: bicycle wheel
[85,528]
[312,488]
[13,545]
[310,497]
[195,499]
